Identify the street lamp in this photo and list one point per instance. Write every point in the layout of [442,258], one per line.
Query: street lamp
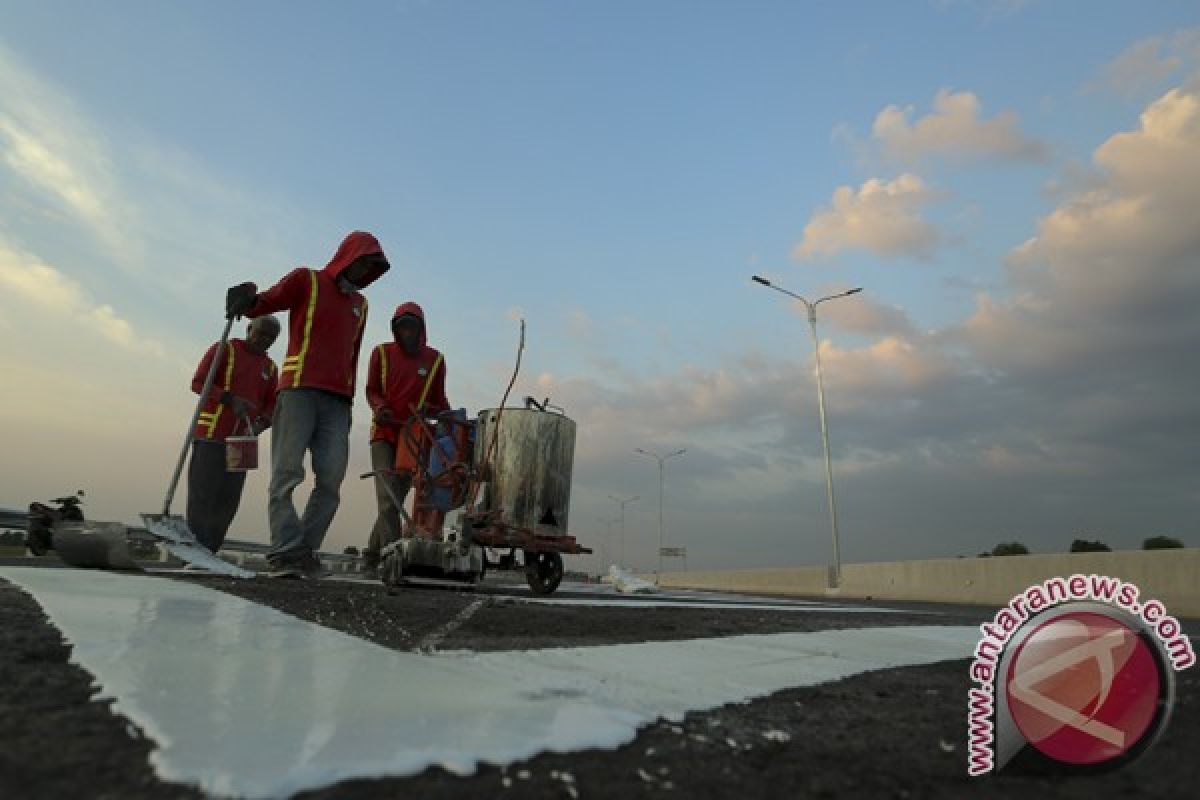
[607,523]
[661,461]
[811,307]
[623,501]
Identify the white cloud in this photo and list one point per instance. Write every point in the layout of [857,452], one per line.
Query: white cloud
[137,198]
[47,143]
[28,282]
[882,217]
[1148,62]
[864,316]
[1133,236]
[955,130]
[892,362]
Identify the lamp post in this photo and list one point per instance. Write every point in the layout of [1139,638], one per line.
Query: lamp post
[607,523]
[661,461]
[623,501]
[811,307]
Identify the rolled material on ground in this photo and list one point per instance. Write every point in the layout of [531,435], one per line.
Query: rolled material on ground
[93,545]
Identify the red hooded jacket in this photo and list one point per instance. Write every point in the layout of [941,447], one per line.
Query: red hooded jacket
[397,380]
[240,372]
[325,325]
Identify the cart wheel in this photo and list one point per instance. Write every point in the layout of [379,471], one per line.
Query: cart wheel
[392,570]
[543,571]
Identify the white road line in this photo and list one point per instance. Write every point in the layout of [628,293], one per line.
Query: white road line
[431,641]
[245,700]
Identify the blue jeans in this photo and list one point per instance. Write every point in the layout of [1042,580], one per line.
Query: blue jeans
[387,524]
[306,420]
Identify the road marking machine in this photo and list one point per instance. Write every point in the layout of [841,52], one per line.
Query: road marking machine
[503,480]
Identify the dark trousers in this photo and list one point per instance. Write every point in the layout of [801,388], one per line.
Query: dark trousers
[213,493]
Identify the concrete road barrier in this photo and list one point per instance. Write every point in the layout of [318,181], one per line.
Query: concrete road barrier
[1171,576]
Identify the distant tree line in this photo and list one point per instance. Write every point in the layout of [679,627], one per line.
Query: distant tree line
[1083,546]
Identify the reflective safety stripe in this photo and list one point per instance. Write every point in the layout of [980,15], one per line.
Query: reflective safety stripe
[298,364]
[362,320]
[429,382]
[214,416]
[383,366]
[229,367]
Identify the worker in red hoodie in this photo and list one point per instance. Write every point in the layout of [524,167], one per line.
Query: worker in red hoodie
[240,403]
[404,378]
[326,315]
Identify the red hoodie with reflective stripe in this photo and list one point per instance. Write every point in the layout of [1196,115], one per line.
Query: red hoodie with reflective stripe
[240,372]
[396,380]
[325,324]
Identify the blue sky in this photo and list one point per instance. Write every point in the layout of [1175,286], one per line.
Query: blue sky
[614,172]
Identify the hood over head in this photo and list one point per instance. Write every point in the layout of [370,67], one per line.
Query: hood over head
[411,309]
[355,245]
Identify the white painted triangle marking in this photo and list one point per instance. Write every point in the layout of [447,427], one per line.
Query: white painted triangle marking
[246,700]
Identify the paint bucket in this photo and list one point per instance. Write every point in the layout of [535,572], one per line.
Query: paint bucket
[241,453]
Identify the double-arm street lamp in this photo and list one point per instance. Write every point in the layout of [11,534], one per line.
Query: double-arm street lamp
[811,307]
[661,461]
[607,523]
[623,501]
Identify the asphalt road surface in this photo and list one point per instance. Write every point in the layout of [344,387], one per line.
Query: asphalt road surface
[892,733]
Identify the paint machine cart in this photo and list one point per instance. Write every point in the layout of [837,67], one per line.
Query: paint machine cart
[504,480]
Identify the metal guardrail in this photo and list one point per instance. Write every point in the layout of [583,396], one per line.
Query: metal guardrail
[13,519]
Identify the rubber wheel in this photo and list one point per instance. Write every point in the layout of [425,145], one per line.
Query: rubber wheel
[391,571]
[543,571]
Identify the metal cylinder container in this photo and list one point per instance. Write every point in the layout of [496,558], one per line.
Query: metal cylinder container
[529,473]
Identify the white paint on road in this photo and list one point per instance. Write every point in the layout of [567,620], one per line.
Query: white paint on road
[245,700]
[430,642]
[667,602]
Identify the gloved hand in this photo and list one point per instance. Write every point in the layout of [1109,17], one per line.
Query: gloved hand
[384,416]
[239,299]
[240,406]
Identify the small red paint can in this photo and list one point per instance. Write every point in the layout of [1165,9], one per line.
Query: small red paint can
[241,453]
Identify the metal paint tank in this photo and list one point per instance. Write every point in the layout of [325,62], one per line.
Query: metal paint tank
[529,476]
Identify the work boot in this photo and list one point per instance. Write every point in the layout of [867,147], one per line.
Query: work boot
[370,565]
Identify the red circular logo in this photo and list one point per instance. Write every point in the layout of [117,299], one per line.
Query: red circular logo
[1083,688]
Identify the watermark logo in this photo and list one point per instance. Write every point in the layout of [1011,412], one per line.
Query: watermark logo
[1084,688]
[1073,675]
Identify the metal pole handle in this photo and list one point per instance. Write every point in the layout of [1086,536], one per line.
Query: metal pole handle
[187,439]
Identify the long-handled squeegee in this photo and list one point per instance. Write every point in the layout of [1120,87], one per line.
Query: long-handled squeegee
[172,530]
